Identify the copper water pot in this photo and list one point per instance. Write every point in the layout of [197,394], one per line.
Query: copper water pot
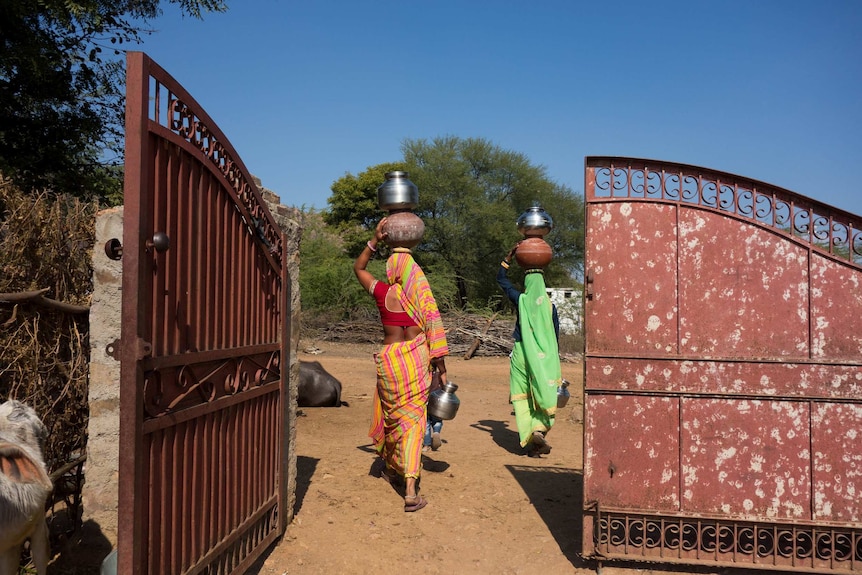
[403,229]
[533,253]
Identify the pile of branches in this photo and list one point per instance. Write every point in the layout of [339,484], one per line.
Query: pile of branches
[45,287]
[468,334]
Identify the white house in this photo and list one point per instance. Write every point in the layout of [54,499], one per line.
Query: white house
[569,302]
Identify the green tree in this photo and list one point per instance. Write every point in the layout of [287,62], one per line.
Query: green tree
[62,88]
[326,280]
[471,193]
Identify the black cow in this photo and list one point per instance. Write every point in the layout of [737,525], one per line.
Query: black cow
[317,387]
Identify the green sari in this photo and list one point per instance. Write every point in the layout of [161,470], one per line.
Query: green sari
[534,371]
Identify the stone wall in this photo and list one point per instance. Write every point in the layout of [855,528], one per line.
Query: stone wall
[100,493]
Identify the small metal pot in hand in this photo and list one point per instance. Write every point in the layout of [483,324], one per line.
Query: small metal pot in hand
[563,394]
[443,403]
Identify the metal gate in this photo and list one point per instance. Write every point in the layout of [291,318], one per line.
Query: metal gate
[723,371]
[203,344]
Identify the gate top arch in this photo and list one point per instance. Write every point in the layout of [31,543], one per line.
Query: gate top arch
[177,117]
[825,229]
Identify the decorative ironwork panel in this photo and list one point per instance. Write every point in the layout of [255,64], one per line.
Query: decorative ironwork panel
[822,227]
[202,465]
[723,371]
[801,548]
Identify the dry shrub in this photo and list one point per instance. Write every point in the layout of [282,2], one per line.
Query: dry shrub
[46,242]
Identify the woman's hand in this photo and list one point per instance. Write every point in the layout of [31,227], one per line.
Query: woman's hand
[438,364]
[512,252]
[379,234]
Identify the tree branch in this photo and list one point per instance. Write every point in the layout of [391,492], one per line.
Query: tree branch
[39,298]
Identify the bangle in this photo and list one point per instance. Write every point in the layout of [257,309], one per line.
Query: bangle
[505,264]
[370,247]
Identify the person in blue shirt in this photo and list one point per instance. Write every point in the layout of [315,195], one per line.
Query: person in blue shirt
[534,365]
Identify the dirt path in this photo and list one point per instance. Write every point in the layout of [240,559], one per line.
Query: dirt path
[491,509]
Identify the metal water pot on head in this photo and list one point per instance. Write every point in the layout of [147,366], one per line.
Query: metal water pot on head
[443,403]
[397,192]
[535,222]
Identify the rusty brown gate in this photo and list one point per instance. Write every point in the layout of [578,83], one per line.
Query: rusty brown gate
[723,371]
[203,344]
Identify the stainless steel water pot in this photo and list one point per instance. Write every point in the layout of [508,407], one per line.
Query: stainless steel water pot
[397,192]
[443,403]
[535,222]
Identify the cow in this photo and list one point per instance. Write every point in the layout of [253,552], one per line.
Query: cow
[317,387]
[24,487]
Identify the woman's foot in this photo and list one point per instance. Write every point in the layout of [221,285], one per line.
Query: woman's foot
[414,503]
[538,445]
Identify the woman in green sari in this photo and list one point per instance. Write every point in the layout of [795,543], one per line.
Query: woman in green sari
[534,368]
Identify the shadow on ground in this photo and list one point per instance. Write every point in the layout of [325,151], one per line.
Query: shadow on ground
[82,553]
[501,434]
[305,468]
[557,494]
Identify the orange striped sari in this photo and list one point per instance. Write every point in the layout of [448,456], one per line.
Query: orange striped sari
[400,399]
[404,371]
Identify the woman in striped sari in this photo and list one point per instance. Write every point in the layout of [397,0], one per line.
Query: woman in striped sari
[413,342]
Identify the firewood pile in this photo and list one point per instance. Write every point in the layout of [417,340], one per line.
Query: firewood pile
[465,332]
[468,335]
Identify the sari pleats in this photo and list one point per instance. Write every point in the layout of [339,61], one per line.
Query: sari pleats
[400,400]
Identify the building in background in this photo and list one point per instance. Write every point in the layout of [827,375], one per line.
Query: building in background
[569,302]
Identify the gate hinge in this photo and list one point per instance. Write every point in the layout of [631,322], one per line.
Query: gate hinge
[142,349]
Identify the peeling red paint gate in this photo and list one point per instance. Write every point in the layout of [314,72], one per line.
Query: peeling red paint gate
[723,371]
[204,340]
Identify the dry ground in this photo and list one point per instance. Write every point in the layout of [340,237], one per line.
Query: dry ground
[491,509]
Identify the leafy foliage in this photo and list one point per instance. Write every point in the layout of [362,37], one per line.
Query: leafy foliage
[471,193]
[326,279]
[61,90]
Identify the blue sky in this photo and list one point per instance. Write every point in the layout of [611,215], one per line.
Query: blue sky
[308,91]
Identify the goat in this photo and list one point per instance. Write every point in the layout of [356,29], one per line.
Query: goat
[24,487]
